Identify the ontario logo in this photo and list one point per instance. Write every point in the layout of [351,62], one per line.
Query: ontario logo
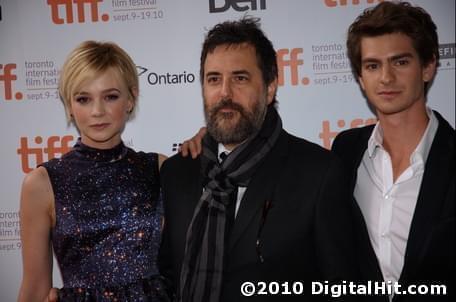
[167,78]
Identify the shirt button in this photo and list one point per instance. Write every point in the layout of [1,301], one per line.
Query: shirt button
[387,196]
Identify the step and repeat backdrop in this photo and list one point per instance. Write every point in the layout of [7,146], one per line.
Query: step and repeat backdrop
[318,96]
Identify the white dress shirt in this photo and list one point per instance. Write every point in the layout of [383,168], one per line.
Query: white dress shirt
[388,206]
[241,190]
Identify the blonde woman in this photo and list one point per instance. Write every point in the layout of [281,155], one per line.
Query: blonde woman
[99,206]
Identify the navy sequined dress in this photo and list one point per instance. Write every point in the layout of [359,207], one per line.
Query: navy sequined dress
[108,224]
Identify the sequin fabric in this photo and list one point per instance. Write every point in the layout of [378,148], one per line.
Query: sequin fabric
[108,224]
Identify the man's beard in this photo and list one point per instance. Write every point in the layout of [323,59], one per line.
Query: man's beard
[223,129]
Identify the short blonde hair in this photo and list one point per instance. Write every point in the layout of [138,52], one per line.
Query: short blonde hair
[88,60]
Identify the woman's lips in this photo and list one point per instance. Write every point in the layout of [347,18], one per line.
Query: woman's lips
[100,126]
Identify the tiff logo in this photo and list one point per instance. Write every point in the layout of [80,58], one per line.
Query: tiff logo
[7,77]
[327,135]
[68,15]
[334,3]
[54,145]
[293,62]
[235,5]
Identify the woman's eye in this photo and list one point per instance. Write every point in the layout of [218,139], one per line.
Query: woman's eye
[81,99]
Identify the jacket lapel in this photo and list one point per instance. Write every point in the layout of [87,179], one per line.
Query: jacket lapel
[359,148]
[194,185]
[358,153]
[436,178]
[260,189]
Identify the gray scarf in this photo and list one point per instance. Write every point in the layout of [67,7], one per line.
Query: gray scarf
[202,267]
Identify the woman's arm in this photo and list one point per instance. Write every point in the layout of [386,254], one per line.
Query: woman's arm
[36,219]
[161,159]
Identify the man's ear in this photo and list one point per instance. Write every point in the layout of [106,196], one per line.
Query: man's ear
[272,90]
[361,82]
[429,70]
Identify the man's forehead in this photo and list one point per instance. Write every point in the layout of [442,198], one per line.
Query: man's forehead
[231,54]
[232,46]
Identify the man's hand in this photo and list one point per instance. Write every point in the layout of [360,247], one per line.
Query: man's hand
[193,145]
[52,296]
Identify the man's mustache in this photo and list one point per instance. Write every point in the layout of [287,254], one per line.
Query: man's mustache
[228,104]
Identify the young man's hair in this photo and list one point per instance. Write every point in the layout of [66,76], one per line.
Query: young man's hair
[233,33]
[394,17]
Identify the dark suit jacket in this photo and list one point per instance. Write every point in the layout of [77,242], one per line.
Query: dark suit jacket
[430,253]
[307,233]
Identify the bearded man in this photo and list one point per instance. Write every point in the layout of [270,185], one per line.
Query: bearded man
[258,204]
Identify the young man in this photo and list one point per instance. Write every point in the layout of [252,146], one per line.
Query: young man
[403,167]
[275,209]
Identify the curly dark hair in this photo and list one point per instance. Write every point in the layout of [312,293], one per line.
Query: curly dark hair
[394,17]
[245,30]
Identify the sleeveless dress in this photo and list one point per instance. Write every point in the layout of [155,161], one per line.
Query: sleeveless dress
[109,214]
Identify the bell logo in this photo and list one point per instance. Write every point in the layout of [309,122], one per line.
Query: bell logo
[293,62]
[7,77]
[235,5]
[55,145]
[334,3]
[327,135]
[67,6]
